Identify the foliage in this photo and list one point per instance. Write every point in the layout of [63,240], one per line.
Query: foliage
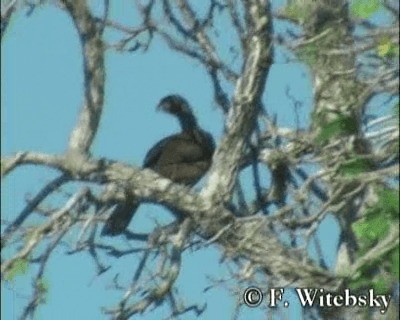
[389,202]
[364,8]
[387,48]
[340,126]
[394,259]
[355,166]
[372,229]
[378,218]
[381,282]
[43,288]
[296,11]
[396,109]
[308,54]
[19,267]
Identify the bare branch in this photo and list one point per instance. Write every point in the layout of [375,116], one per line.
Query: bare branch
[6,13]
[306,178]
[93,64]
[168,277]
[249,89]
[43,230]
[209,216]
[47,189]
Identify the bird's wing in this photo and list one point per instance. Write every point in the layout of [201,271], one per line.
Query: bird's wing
[178,148]
[155,152]
[206,140]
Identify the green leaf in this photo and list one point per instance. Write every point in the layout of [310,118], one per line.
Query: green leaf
[389,201]
[395,263]
[19,267]
[396,110]
[383,49]
[359,282]
[43,288]
[371,230]
[364,8]
[308,54]
[340,126]
[296,11]
[355,166]
[381,284]
[386,48]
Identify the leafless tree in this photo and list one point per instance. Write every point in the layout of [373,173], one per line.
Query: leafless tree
[356,157]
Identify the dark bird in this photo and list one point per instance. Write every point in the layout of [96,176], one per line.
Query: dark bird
[183,157]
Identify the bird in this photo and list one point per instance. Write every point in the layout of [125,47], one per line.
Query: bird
[183,157]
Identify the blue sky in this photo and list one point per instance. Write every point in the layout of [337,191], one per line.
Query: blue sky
[41,95]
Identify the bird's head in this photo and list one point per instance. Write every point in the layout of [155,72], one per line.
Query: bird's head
[174,104]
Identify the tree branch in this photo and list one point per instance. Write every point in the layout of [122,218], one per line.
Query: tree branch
[243,239]
[85,130]
[241,118]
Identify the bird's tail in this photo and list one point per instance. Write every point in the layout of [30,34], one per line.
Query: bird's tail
[119,219]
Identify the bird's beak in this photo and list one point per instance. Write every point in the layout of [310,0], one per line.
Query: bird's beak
[162,106]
